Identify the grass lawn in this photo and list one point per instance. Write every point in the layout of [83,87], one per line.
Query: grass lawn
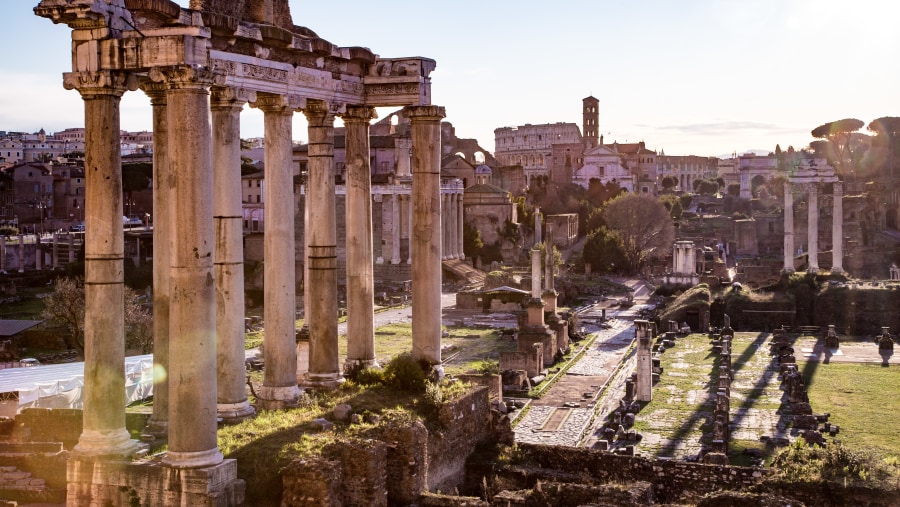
[29,308]
[861,398]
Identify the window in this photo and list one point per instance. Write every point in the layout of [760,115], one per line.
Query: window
[258,197]
[258,183]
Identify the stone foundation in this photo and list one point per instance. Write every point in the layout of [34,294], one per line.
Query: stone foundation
[93,481]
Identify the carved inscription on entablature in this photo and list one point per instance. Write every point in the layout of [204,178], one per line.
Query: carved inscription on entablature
[393,89]
[261,72]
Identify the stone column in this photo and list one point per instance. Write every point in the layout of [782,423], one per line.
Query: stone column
[279,389]
[55,250]
[409,226]
[384,249]
[163,190]
[536,273]
[72,247]
[644,361]
[231,401]
[425,236]
[403,145]
[788,228]
[812,228]
[38,254]
[360,280]
[321,244]
[192,304]
[453,253]
[3,255]
[103,416]
[837,229]
[22,252]
[460,220]
[538,239]
[395,228]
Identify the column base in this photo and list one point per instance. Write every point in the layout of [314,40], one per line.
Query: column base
[109,482]
[812,269]
[232,413]
[197,459]
[106,443]
[395,261]
[379,260]
[277,398]
[788,271]
[327,381]
[837,270]
[361,363]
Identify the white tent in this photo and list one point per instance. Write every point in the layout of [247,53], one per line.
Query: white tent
[60,385]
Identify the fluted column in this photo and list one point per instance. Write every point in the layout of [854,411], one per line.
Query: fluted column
[226,105]
[360,272]
[55,250]
[321,244]
[837,229]
[162,239]
[279,389]
[426,233]
[460,220]
[788,228]
[395,228]
[3,255]
[72,247]
[454,226]
[103,396]
[22,250]
[812,228]
[192,304]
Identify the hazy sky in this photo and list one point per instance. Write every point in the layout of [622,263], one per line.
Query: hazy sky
[703,77]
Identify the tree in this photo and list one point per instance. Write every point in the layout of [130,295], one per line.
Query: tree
[669,182]
[734,189]
[673,204]
[472,243]
[888,126]
[644,225]
[66,306]
[839,134]
[605,252]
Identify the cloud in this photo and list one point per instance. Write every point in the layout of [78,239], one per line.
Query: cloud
[722,128]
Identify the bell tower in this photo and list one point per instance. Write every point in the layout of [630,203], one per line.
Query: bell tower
[589,127]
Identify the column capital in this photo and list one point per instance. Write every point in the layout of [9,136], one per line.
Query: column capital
[104,82]
[185,76]
[273,103]
[838,188]
[363,114]
[320,112]
[424,113]
[155,91]
[223,97]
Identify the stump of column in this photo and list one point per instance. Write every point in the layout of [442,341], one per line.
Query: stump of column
[321,243]
[644,361]
[104,433]
[232,403]
[279,389]
[425,236]
[360,272]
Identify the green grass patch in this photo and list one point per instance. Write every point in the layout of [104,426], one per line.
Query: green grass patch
[30,306]
[859,398]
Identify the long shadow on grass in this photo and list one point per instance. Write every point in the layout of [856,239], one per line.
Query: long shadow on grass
[761,383]
[703,412]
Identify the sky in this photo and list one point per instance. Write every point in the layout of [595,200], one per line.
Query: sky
[690,77]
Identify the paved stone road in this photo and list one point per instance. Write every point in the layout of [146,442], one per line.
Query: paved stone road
[566,413]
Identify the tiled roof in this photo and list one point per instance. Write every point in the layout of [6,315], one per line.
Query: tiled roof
[14,327]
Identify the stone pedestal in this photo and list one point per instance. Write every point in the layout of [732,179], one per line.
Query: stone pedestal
[232,403]
[360,282]
[549,297]
[425,237]
[644,381]
[321,243]
[543,336]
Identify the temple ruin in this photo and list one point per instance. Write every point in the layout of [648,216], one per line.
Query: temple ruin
[200,66]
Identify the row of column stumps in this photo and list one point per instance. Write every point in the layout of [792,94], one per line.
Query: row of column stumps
[837,224]
[54,258]
[198,272]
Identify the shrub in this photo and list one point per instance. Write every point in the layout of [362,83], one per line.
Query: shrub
[364,376]
[405,373]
